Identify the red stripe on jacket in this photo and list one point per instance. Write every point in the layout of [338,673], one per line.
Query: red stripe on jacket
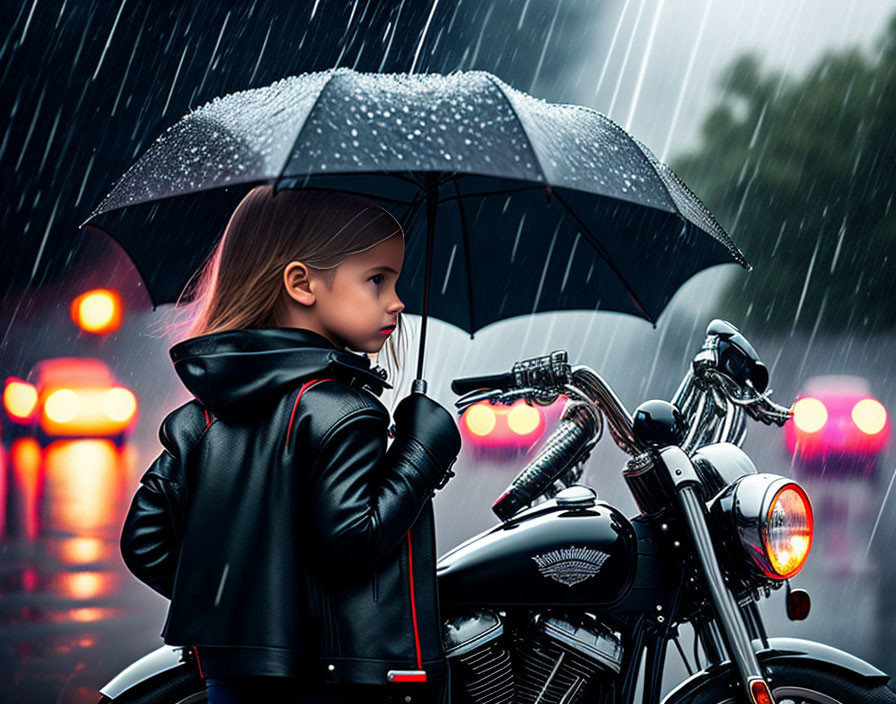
[296,404]
[413,604]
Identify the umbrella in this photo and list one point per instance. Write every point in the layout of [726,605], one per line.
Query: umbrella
[529,206]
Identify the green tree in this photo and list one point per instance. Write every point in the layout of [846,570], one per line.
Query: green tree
[802,172]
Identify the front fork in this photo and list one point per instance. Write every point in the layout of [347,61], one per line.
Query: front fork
[737,640]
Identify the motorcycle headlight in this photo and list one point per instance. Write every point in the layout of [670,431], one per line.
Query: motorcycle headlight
[787,531]
[773,519]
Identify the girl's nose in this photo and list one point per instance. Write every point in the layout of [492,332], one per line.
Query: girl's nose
[398,306]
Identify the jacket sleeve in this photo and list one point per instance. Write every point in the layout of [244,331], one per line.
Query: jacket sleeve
[151,535]
[364,498]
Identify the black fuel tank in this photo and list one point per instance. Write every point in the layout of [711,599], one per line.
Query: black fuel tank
[571,550]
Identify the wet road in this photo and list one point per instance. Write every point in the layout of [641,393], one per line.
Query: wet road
[71,616]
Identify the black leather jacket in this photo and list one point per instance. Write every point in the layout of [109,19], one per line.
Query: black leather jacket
[289,540]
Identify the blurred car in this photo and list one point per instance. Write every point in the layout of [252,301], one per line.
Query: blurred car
[837,426]
[502,432]
[69,397]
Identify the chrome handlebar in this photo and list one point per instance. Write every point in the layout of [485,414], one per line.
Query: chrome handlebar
[715,406]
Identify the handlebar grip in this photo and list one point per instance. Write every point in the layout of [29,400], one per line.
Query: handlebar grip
[489,381]
[560,452]
[548,372]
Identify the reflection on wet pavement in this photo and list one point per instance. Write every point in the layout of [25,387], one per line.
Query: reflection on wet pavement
[71,616]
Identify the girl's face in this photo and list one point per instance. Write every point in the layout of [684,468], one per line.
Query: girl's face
[361,302]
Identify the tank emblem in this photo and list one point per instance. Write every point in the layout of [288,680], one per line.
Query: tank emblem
[571,565]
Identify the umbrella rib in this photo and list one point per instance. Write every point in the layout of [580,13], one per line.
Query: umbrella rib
[402,177]
[411,214]
[593,241]
[358,193]
[466,239]
[127,250]
[442,177]
[491,79]
[305,124]
[719,232]
[484,194]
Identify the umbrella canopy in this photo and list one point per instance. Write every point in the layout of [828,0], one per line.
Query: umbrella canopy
[540,206]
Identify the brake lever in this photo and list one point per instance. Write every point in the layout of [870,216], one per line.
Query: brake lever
[531,395]
[759,406]
[768,412]
[538,379]
[473,397]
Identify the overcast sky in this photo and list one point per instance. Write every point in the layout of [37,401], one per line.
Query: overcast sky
[669,35]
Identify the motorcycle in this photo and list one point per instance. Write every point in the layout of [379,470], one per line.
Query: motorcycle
[568,601]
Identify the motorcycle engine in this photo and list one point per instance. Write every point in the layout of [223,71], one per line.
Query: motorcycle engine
[550,660]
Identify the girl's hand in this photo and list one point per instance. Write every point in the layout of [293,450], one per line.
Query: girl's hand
[420,418]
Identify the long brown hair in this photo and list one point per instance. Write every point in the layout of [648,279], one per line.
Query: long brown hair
[240,285]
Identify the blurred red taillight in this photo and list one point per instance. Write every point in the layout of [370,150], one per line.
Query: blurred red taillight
[809,414]
[98,311]
[523,419]
[120,404]
[480,419]
[869,416]
[19,399]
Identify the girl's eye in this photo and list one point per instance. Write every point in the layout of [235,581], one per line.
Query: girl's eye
[379,278]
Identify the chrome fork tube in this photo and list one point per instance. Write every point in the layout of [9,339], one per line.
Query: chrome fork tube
[692,439]
[685,394]
[737,639]
[711,642]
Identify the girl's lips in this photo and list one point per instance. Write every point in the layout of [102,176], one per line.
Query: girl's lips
[386,331]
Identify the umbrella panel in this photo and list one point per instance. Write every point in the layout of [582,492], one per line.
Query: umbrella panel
[169,240]
[503,248]
[526,253]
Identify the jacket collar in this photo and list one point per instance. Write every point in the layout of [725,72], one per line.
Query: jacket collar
[235,371]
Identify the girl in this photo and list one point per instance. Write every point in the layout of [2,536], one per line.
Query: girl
[297,551]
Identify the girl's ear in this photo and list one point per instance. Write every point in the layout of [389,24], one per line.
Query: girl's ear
[297,282]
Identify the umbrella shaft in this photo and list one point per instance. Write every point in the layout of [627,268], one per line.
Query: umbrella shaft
[432,201]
